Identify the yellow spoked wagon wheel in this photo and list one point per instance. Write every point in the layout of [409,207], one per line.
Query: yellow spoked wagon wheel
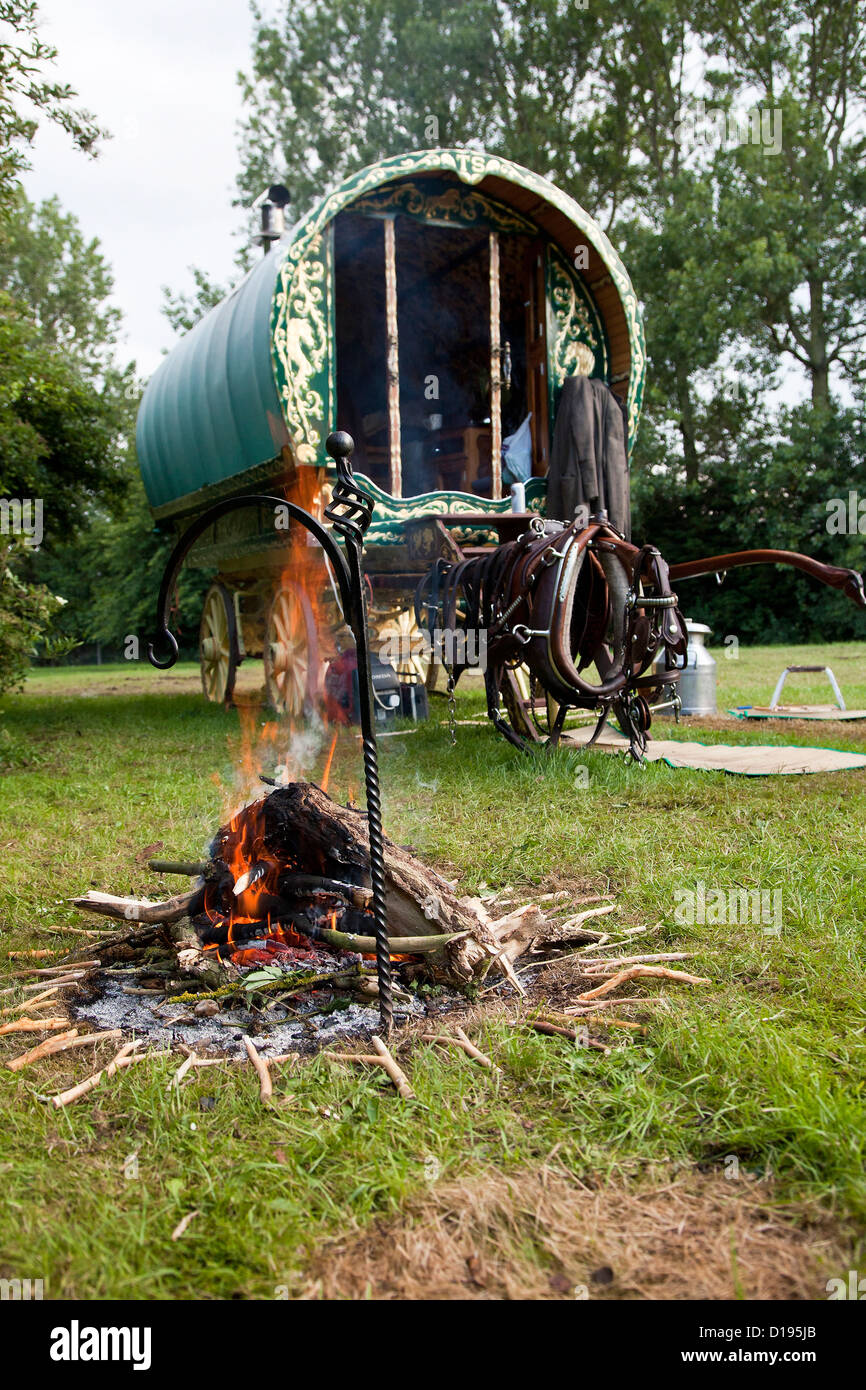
[293,673]
[531,710]
[517,697]
[217,645]
[399,641]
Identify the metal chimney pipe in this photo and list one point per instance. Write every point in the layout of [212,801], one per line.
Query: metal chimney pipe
[271,205]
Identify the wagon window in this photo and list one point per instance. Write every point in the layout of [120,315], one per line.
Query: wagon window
[362,406]
[428,316]
[442,298]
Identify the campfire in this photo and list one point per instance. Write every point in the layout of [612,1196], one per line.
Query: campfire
[282,911]
[287,883]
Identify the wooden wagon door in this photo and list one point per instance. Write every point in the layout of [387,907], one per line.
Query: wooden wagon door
[536,357]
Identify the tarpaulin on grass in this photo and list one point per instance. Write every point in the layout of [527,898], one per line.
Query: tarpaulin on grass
[748,760]
[819,712]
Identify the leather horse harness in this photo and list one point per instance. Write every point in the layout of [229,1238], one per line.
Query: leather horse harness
[558,600]
[564,598]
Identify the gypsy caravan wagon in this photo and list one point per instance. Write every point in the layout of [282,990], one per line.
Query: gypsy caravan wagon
[434,306]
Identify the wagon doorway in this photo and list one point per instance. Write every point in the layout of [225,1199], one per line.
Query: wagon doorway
[433,363]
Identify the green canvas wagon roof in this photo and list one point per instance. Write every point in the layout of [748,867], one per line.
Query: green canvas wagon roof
[257,373]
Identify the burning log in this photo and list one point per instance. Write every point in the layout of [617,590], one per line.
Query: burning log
[289,875]
[136,909]
[300,830]
[294,867]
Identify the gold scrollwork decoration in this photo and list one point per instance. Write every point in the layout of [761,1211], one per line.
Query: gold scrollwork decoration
[301,339]
[454,204]
[575,332]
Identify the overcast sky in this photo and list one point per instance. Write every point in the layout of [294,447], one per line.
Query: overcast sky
[161,76]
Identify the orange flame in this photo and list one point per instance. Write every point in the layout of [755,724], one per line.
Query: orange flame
[326,775]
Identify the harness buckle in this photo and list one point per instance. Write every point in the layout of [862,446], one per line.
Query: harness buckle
[524,634]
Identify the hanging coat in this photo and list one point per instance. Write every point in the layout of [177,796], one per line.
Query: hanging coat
[588,460]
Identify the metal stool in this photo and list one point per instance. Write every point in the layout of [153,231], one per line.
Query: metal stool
[774,703]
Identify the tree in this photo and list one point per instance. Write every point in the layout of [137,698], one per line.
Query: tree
[183,311]
[64,417]
[48,264]
[58,430]
[26,610]
[747,261]
[795,216]
[47,409]
[335,84]
[27,92]
[67,429]
[591,97]
[774,490]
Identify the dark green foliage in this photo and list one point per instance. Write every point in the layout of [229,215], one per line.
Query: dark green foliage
[771,493]
[67,426]
[28,92]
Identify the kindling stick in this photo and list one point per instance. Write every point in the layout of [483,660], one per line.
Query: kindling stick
[184,1222]
[464,1044]
[61,1042]
[266,1085]
[614,962]
[554,1029]
[635,972]
[381,1058]
[38,1001]
[123,1059]
[34,1025]
[372,1059]
[42,1049]
[57,982]
[135,910]
[182,1071]
[56,969]
[620,1001]
[401,1081]
[573,922]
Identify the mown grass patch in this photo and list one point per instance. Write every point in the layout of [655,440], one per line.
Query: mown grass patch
[766,1065]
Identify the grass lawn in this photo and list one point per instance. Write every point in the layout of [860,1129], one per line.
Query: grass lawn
[721,1153]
